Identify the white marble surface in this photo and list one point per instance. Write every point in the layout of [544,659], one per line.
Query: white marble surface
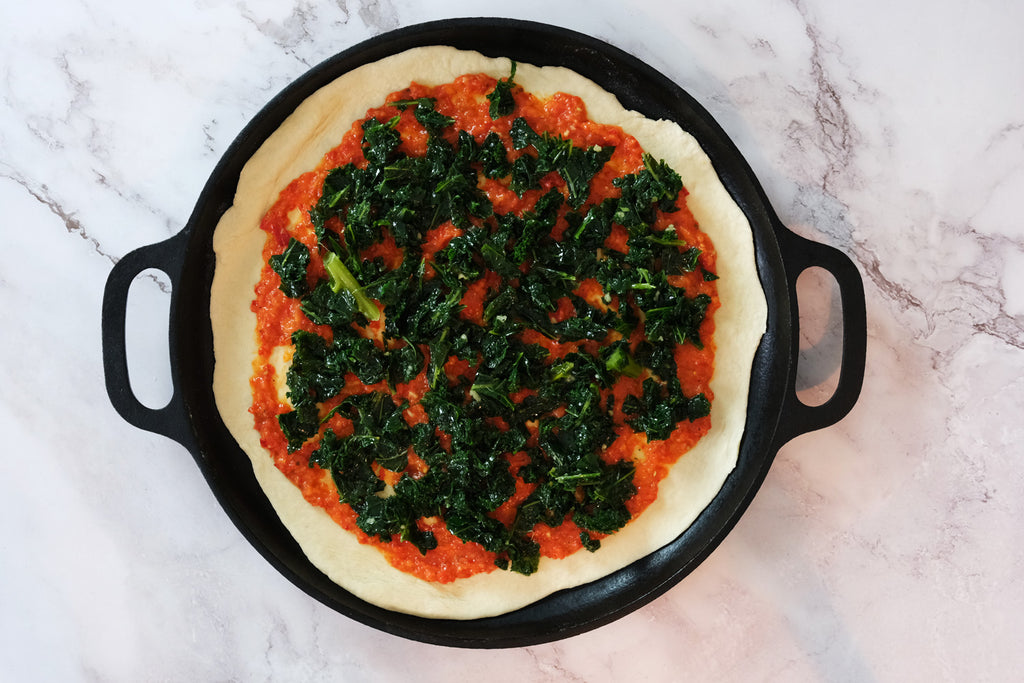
[888,547]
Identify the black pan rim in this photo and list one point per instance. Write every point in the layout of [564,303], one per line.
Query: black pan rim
[568,612]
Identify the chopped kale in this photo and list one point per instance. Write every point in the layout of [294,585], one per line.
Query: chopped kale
[405,363]
[537,223]
[678,262]
[362,357]
[659,358]
[578,328]
[317,371]
[669,313]
[423,109]
[424,313]
[604,507]
[300,425]
[325,306]
[343,283]
[655,187]
[618,359]
[579,168]
[496,258]
[380,140]
[494,157]
[350,460]
[662,406]
[514,398]
[501,99]
[526,175]
[349,464]
[404,196]
[596,225]
[456,263]
[576,165]
[291,266]
[341,186]
[380,428]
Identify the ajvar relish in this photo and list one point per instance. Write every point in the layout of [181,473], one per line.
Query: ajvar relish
[627,389]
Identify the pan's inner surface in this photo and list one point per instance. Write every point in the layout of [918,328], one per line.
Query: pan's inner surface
[569,612]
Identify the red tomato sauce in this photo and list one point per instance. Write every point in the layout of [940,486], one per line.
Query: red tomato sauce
[278,316]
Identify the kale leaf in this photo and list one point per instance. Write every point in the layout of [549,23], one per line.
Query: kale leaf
[427,310]
[379,428]
[493,157]
[325,306]
[576,165]
[317,370]
[404,364]
[291,265]
[425,112]
[300,424]
[656,186]
[603,509]
[501,99]
[619,359]
[662,406]
[579,168]
[350,462]
[669,313]
[535,224]
[380,140]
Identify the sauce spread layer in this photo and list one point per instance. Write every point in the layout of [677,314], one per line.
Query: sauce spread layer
[485,329]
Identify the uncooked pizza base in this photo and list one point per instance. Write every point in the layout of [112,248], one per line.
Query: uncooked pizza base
[315,127]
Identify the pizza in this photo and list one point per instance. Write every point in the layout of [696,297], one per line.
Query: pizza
[483,333]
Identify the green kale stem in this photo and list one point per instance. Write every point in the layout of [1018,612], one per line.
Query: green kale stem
[342,278]
[622,361]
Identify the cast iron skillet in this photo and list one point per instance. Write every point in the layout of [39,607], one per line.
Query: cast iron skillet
[775,415]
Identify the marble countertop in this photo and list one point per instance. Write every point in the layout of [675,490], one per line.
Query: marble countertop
[887,547]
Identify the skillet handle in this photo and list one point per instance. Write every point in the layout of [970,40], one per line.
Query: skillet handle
[799,254]
[172,419]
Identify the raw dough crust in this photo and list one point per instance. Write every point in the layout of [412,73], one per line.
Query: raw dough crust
[297,146]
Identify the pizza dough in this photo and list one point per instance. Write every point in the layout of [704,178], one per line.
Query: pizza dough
[315,127]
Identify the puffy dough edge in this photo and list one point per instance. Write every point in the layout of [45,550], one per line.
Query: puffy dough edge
[297,146]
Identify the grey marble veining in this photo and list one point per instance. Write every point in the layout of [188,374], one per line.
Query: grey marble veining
[887,547]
